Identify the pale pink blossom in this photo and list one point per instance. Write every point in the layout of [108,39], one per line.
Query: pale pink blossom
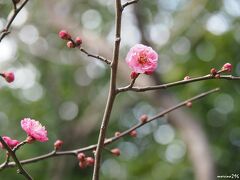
[10,142]
[34,129]
[142,59]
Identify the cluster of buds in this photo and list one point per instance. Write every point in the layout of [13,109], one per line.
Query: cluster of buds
[8,76]
[63,34]
[227,67]
[85,161]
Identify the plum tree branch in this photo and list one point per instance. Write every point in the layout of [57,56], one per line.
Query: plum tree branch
[176,83]
[112,90]
[109,140]
[16,10]
[13,155]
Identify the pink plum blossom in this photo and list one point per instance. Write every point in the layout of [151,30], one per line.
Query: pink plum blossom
[142,59]
[34,129]
[10,142]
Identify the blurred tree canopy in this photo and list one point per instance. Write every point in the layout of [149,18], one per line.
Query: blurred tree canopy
[66,91]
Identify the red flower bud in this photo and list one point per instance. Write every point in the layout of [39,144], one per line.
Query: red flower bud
[78,41]
[213,71]
[64,35]
[134,75]
[58,144]
[227,67]
[133,133]
[70,44]
[89,161]
[144,118]
[81,156]
[9,76]
[217,76]
[116,152]
[82,164]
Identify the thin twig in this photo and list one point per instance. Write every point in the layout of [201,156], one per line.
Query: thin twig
[112,139]
[13,155]
[19,145]
[129,3]
[16,10]
[103,59]
[6,161]
[167,85]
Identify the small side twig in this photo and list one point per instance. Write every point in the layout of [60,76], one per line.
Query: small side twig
[16,10]
[109,140]
[129,3]
[103,59]
[19,145]
[13,155]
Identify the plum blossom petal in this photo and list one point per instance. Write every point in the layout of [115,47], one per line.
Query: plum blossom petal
[34,129]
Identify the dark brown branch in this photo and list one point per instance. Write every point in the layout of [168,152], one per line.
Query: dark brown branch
[165,86]
[13,155]
[103,59]
[16,10]
[112,90]
[112,139]
[129,3]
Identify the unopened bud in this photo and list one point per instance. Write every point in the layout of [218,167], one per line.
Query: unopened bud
[78,41]
[133,133]
[144,118]
[89,161]
[70,44]
[189,104]
[213,71]
[82,164]
[64,35]
[58,144]
[227,67]
[81,156]
[116,152]
[8,76]
[134,75]
[217,76]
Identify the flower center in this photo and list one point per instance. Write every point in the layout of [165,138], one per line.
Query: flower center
[142,59]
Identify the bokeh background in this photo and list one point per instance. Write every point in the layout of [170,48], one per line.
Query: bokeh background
[66,91]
